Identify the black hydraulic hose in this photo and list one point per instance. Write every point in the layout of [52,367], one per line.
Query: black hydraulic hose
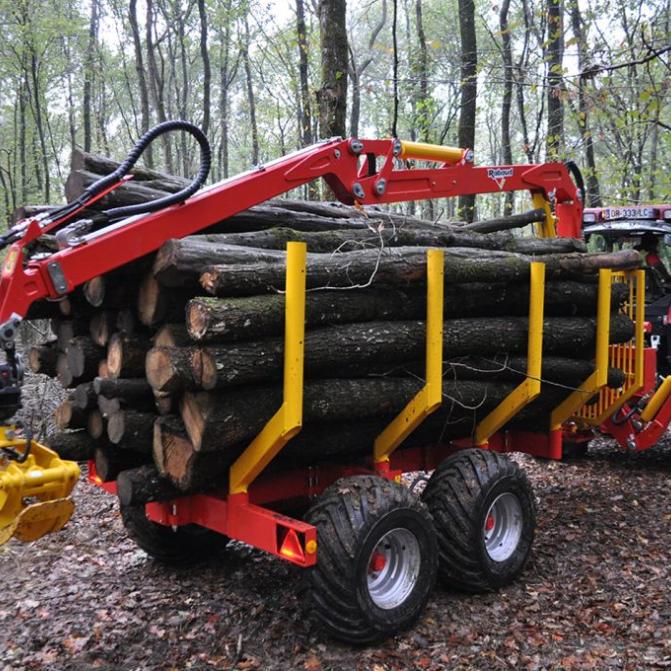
[114,177]
[574,170]
[136,152]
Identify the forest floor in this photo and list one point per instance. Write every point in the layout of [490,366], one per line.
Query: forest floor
[594,596]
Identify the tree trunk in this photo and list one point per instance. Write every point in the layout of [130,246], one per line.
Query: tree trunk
[332,96]
[83,356]
[554,55]
[369,344]
[141,77]
[207,72]
[126,354]
[132,430]
[128,390]
[251,100]
[405,266]
[171,369]
[469,79]
[229,319]
[43,358]
[111,461]
[89,74]
[143,484]
[506,102]
[591,177]
[74,446]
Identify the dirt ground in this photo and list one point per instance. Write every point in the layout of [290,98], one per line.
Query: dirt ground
[594,596]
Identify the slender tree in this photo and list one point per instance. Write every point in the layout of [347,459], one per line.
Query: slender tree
[332,95]
[469,91]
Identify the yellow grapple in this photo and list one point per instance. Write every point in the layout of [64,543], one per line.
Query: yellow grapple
[34,490]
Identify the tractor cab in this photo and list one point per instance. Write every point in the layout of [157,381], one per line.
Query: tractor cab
[647,229]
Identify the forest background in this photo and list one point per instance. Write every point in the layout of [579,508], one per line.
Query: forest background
[517,80]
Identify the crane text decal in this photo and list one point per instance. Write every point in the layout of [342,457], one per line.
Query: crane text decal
[499,175]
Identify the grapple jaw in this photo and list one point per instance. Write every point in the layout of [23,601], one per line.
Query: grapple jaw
[35,485]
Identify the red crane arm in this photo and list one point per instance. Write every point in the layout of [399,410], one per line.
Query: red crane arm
[363,171]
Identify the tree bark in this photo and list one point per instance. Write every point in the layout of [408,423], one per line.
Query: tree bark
[42,359]
[132,430]
[126,354]
[207,71]
[127,390]
[554,57]
[141,77]
[332,95]
[405,266]
[83,356]
[67,416]
[111,461]
[71,445]
[591,177]
[84,396]
[171,369]
[507,98]
[143,484]
[366,345]
[469,91]
[228,319]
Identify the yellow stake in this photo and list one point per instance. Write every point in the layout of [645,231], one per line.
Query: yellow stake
[527,390]
[287,421]
[430,396]
[599,377]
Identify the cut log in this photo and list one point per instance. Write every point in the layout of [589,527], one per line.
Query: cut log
[126,354]
[102,165]
[179,263]
[110,461]
[103,370]
[143,484]
[506,223]
[126,322]
[164,403]
[157,304]
[402,266]
[217,422]
[42,359]
[133,430]
[95,424]
[102,326]
[128,390]
[186,255]
[67,329]
[108,406]
[114,290]
[67,416]
[84,396]
[212,319]
[63,372]
[71,445]
[173,335]
[83,357]
[370,343]
[171,369]
[176,459]
[74,305]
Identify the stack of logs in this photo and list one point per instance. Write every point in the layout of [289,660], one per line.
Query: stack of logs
[174,362]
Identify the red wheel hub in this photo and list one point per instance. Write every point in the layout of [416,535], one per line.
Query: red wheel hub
[489,523]
[377,562]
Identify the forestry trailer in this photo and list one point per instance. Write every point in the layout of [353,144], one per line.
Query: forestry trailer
[371,547]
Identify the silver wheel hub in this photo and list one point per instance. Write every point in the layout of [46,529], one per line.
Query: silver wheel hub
[502,527]
[393,568]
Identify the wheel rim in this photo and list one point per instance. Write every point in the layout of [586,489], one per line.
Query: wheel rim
[393,568]
[502,527]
